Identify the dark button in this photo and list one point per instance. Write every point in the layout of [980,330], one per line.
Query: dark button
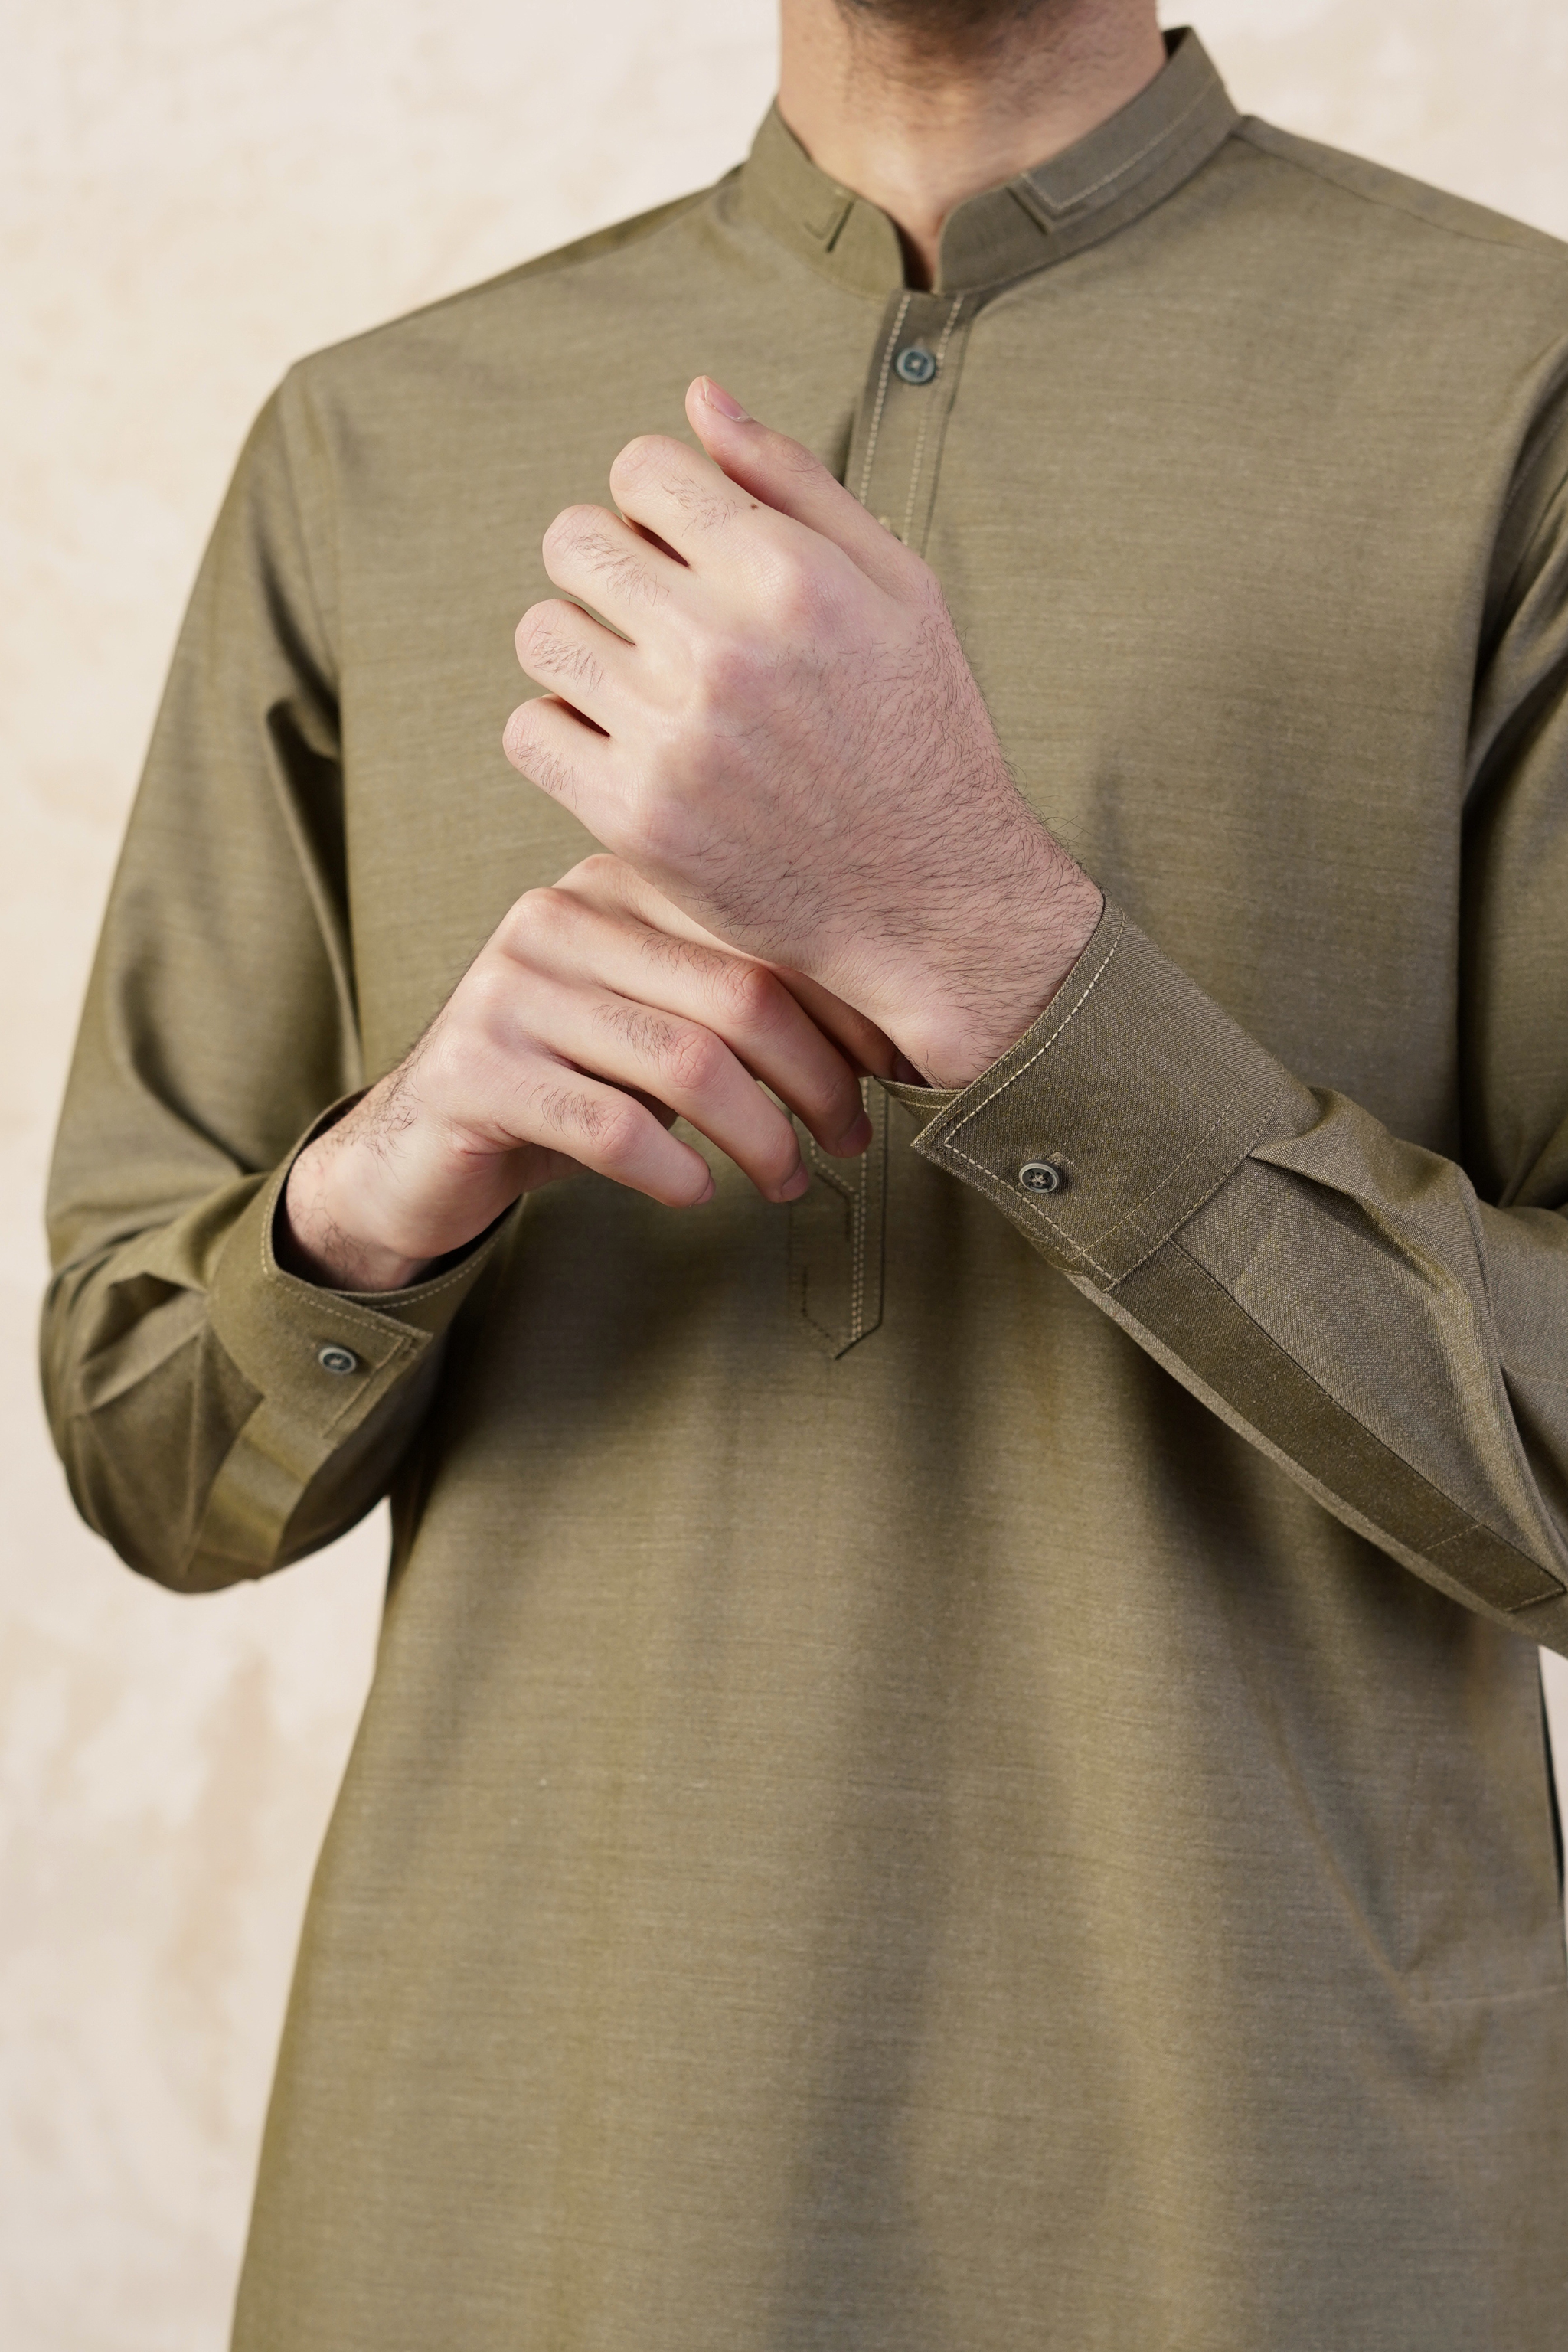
[337,1360]
[1040,1176]
[915,365]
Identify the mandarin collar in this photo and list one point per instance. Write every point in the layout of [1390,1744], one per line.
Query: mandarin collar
[1124,168]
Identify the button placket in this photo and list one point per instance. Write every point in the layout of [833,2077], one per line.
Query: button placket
[910,387]
[836,1227]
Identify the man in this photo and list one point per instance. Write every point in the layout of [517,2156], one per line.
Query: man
[956,1759]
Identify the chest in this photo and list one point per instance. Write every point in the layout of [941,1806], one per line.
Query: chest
[1225,626]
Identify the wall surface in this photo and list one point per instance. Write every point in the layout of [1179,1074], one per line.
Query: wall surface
[192,193]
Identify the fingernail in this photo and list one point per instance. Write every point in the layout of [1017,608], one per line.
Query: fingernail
[855,1138]
[799,1183]
[725,401]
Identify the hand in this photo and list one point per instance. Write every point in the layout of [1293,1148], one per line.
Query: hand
[595,1016]
[785,739]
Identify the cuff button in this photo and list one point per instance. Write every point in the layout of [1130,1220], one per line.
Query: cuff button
[1040,1176]
[337,1360]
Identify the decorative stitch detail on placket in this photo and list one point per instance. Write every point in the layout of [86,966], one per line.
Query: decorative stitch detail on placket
[925,425]
[835,1236]
[891,346]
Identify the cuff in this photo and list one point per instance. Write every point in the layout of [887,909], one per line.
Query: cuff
[1129,1102]
[321,1362]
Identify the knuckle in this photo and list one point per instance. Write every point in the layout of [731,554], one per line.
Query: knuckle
[455,1062]
[521,733]
[572,528]
[647,829]
[783,1155]
[643,454]
[796,591]
[575,1119]
[585,540]
[727,668]
[626,574]
[797,460]
[485,998]
[534,754]
[485,983]
[691,1058]
[538,916]
[554,646]
[750,995]
[526,635]
[614,1128]
[600,871]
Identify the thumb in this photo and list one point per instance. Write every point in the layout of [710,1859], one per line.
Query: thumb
[786,476]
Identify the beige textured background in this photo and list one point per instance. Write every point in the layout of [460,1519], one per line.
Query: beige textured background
[192,191]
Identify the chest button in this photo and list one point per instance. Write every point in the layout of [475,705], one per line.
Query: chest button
[337,1360]
[1040,1176]
[915,365]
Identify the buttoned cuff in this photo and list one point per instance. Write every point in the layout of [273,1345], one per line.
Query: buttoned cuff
[1112,1119]
[320,1362]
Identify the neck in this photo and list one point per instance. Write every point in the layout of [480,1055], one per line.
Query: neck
[916,118]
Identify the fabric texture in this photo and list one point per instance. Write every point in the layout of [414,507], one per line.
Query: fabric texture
[959,1765]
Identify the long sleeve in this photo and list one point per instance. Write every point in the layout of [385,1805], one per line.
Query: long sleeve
[1390,1326]
[216,1416]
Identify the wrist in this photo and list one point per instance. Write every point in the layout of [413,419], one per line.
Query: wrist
[326,1230]
[963,1012]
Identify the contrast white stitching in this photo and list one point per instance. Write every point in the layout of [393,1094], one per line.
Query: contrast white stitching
[1045,1047]
[1121,170]
[1009,1199]
[372,1318]
[882,394]
[1171,1173]
[857,1261]
[925,419]
[874,1150]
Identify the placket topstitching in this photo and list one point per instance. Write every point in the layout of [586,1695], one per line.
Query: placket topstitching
[836,1227]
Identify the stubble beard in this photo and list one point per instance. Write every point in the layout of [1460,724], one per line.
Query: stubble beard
[958,32]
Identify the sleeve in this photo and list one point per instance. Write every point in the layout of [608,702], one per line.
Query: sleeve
[1389,1326]
[218,1417]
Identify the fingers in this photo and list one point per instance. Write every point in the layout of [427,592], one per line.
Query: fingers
[681,496]
[576,658]
[585,931]
[754,489]
[863,1044]
[611,885]
[789,478]
[612,565]
[561,751]
[496,1102]
[575,1055]
[580,1121]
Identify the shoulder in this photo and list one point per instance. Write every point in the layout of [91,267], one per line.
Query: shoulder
[1458,310]
[1387,207]
[643,260]
[1455,316]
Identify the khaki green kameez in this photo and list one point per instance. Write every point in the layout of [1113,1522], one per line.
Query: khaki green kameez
[960,1767]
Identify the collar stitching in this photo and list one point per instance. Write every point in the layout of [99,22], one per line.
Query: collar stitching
[1163,138]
